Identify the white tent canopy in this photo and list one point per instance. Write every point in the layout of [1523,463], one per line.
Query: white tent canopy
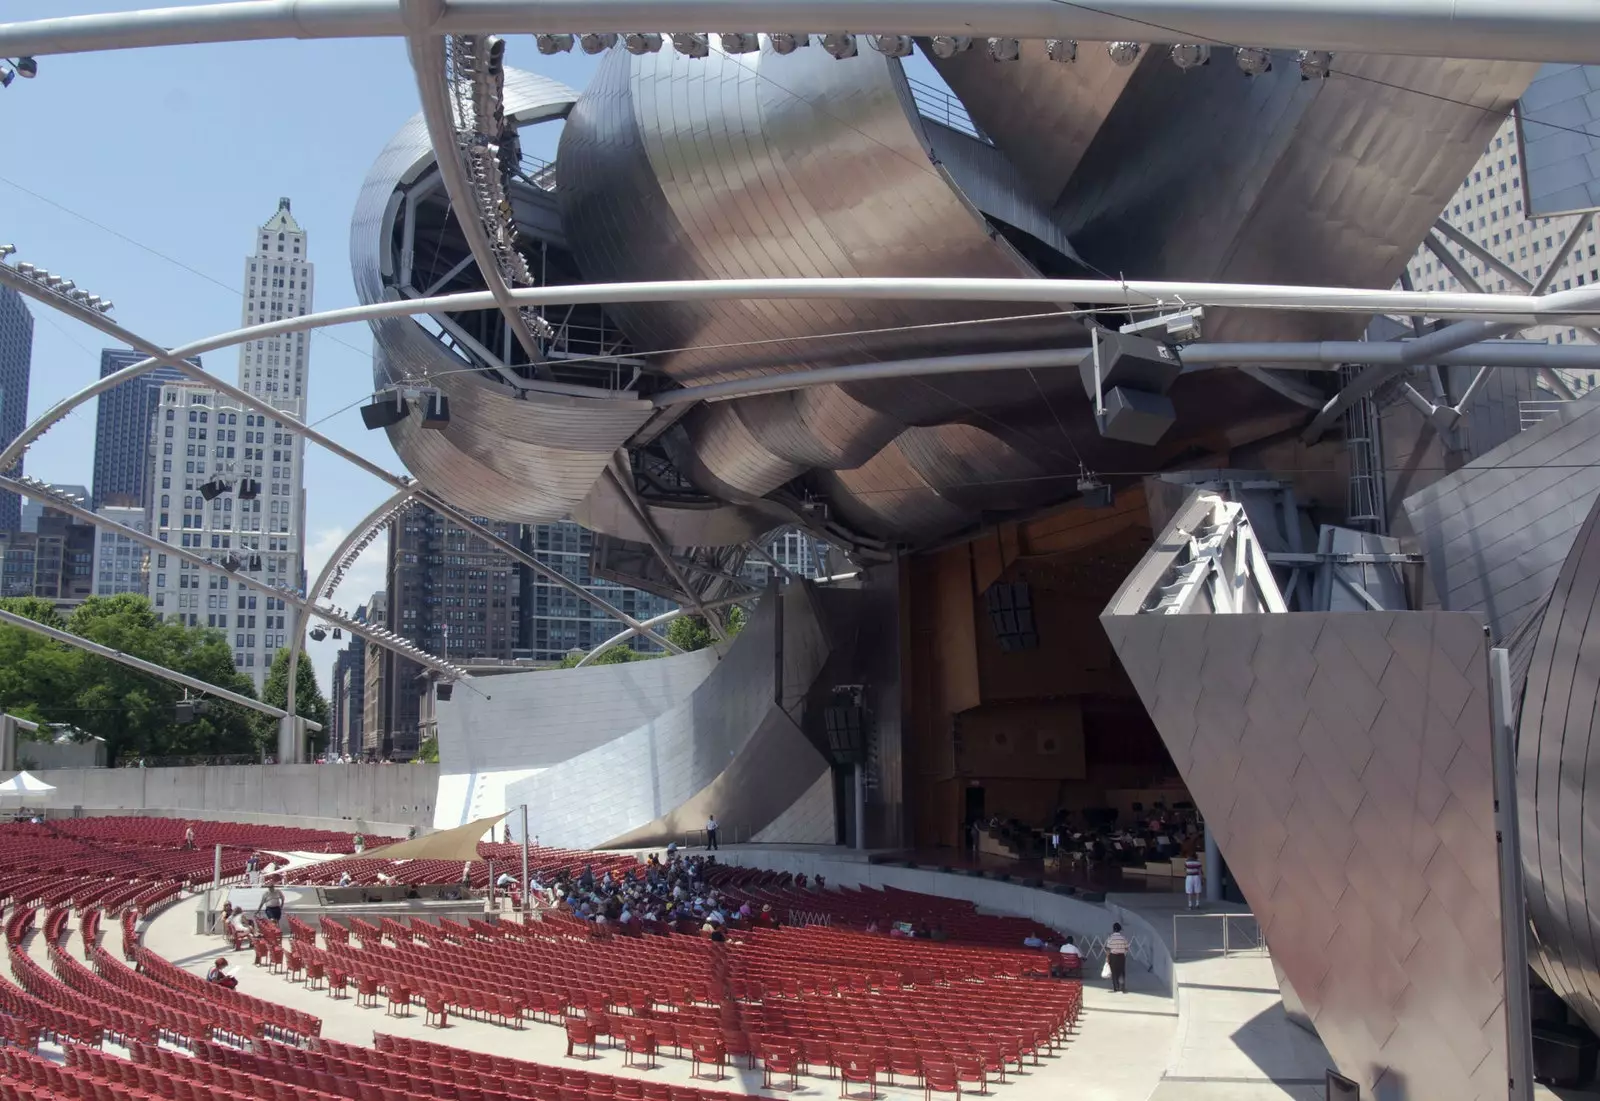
[23,787]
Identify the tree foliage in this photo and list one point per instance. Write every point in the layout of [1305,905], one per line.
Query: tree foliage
[309,702]
[615,655]
[692,632]
[53,683]
[428,751]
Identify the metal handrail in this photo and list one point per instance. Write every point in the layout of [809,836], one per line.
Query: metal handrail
[1255,943]
[938,105]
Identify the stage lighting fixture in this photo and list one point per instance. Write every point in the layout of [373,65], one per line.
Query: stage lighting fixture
[27,67]
[1123,53]
[1253,60]
[1191,55]
[387,407]
[553,43]
[6,77]
[7,250]
[839,46]
[691,43]
[1315,64]
[436,411]
[893,45]
[642,42]
[1061,49]
[1004,49]
[596,43]
[788,43]
[946,46]
[740,43]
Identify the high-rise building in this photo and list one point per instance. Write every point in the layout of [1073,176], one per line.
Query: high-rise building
[348,701]
[227,482]
[377,672]
[16,361]
[1488,208]
[121,565]
[798,552]
[123,420]
[55,563]
[555,621]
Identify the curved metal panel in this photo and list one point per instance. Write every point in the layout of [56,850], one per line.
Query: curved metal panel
[1557,751]
[525,455]
[731,748]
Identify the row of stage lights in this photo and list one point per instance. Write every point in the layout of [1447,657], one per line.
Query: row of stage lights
[55,284]
[1252,60]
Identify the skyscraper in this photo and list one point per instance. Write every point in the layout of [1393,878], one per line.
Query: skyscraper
[226,482]
[122,430]
[16,360]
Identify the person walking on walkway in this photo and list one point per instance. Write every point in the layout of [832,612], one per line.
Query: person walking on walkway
[711,832]
[1117,958]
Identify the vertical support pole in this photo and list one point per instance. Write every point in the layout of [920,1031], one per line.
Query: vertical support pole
[525,857]
[1213,859]
[1513,912]
[861,805]
[8,743]
[216,869]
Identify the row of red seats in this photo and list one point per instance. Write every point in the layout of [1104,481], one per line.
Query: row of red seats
[295,1023]
[54,1022]
[170,832]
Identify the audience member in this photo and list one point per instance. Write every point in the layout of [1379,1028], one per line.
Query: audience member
[219,975]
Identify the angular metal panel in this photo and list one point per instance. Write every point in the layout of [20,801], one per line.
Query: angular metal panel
[1496,532]
[1343,763]
[1558,752]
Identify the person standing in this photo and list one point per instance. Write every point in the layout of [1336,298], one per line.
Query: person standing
[271,904]
[1193,879]
[188,838]
[711,832]
[1117,958]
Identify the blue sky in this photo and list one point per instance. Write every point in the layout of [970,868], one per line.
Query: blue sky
[185,150]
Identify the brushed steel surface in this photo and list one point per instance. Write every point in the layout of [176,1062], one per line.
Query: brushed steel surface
[530,457]
[1496,532]
[1344,763]
[730,747]
[1557,752]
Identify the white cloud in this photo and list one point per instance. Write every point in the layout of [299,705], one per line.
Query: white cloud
[366,577]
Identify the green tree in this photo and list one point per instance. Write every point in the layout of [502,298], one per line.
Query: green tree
[135,712]
[309,702]
[38,676]
[615,655]
[428,751]
[690,632]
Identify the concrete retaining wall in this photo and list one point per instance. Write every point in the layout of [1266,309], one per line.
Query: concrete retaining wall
[364,797]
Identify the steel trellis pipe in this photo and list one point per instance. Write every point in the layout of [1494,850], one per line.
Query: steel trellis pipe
[92,647]
[175,359]
[1544,30]
[60,504]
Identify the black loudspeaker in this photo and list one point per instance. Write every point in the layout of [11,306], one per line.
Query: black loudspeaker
[386,407]
[1011,613]
[1133,361]
[443,691]
[436,413]
[847,738]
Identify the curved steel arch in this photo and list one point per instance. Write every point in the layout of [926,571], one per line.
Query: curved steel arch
[325,583]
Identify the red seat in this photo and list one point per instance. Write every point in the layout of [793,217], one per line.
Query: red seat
[940,1077]
[709,1051]
[580,1033]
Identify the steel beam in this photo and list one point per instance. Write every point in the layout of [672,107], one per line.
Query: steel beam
[1541,30]
[95,648]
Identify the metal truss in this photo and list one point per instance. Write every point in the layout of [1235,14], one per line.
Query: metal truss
[1216,565]
[1543,30]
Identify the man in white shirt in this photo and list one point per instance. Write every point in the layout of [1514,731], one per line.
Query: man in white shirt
[711,832]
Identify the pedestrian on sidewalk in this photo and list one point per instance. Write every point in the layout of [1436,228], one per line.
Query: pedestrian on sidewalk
[1117,958]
